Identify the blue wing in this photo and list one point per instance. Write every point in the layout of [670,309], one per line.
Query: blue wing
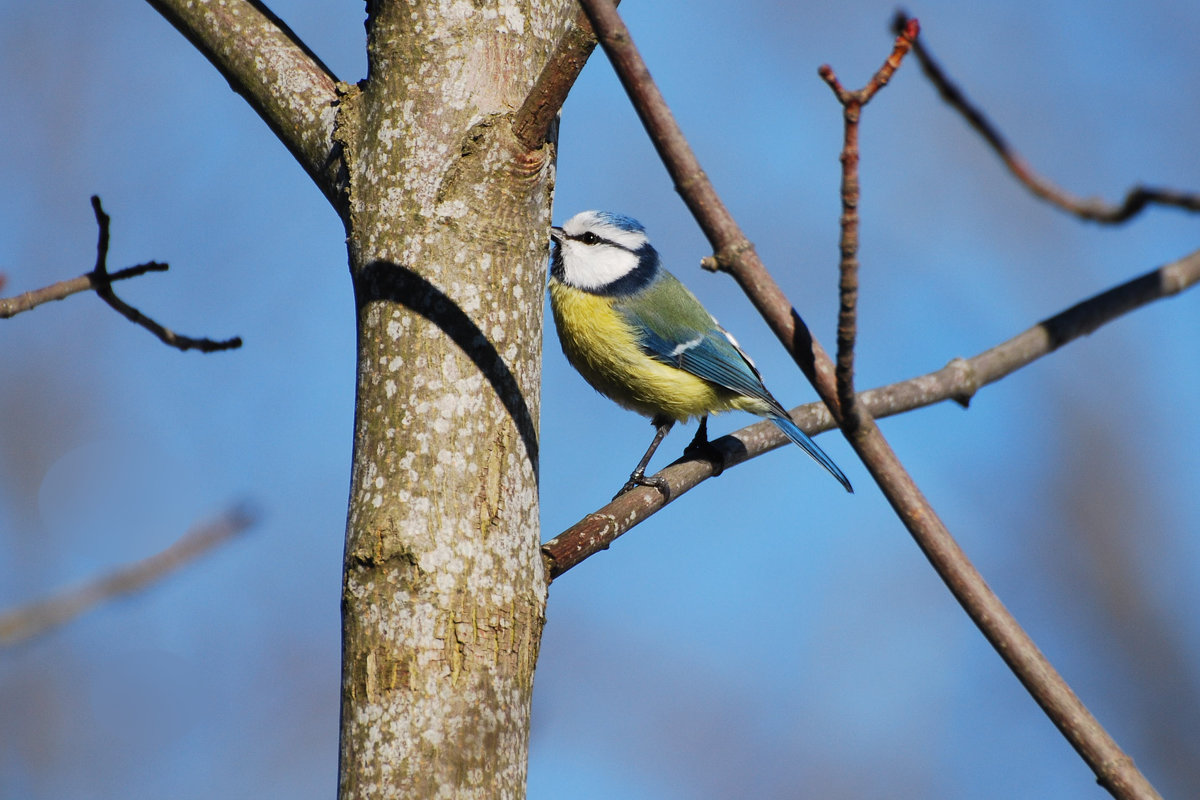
[674,328]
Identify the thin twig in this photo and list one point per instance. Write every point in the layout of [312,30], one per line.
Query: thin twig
[852,105]
[1114,769]
[958,381]
[45,615]
[1136,199]
[103,285]
[532,122]
[11,306]
[100,281]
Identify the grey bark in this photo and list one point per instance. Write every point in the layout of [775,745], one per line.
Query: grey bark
[446,214]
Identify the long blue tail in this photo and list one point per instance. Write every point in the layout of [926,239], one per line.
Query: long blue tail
[801,438]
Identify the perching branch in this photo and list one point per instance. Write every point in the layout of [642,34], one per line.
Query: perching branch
[45,615]
[733,252]
[100,281]
[958,381]
[276,73]
[1087,208]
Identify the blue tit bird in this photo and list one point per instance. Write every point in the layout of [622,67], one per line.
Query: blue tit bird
[639,337]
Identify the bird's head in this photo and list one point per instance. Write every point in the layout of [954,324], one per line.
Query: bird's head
[603,253]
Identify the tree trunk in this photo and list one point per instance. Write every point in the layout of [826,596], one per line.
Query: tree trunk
[444,594]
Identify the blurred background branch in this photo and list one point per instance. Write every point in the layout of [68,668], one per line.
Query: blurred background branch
[43,616]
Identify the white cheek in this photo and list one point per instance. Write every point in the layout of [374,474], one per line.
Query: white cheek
[595,266]
[631,240]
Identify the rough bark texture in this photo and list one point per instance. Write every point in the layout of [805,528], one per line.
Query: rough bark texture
[447,215]
[444,594]
[279,76]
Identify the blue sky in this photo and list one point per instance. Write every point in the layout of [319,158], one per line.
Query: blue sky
[767,635]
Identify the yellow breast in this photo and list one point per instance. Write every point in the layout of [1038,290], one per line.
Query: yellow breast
[605,350]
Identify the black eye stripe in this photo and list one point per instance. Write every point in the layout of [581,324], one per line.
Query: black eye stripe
[593,238]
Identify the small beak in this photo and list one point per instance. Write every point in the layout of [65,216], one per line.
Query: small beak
[557,235]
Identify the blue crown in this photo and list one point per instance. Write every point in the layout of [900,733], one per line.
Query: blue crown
[620,221]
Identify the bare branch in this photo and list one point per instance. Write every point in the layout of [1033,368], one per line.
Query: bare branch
[281,79]
[100,281]
[105,291]
[959,381]
[906,36]
[852,105]
[1114,770]
[45,615]
[1136,199]
[534,119]
[11,306]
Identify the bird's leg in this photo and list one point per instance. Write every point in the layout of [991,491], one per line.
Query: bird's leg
[701,447]
[638,476]
[700,441]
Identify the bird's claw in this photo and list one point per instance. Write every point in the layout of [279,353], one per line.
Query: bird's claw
[706,451]
[640,479]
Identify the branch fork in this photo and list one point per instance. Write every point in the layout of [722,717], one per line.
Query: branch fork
[100,280]
[1112,767]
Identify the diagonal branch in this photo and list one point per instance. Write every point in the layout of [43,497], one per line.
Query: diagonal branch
[1136,199]
[281,79]
[534,119]
[1114,770]
[959,381]
[44,615]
